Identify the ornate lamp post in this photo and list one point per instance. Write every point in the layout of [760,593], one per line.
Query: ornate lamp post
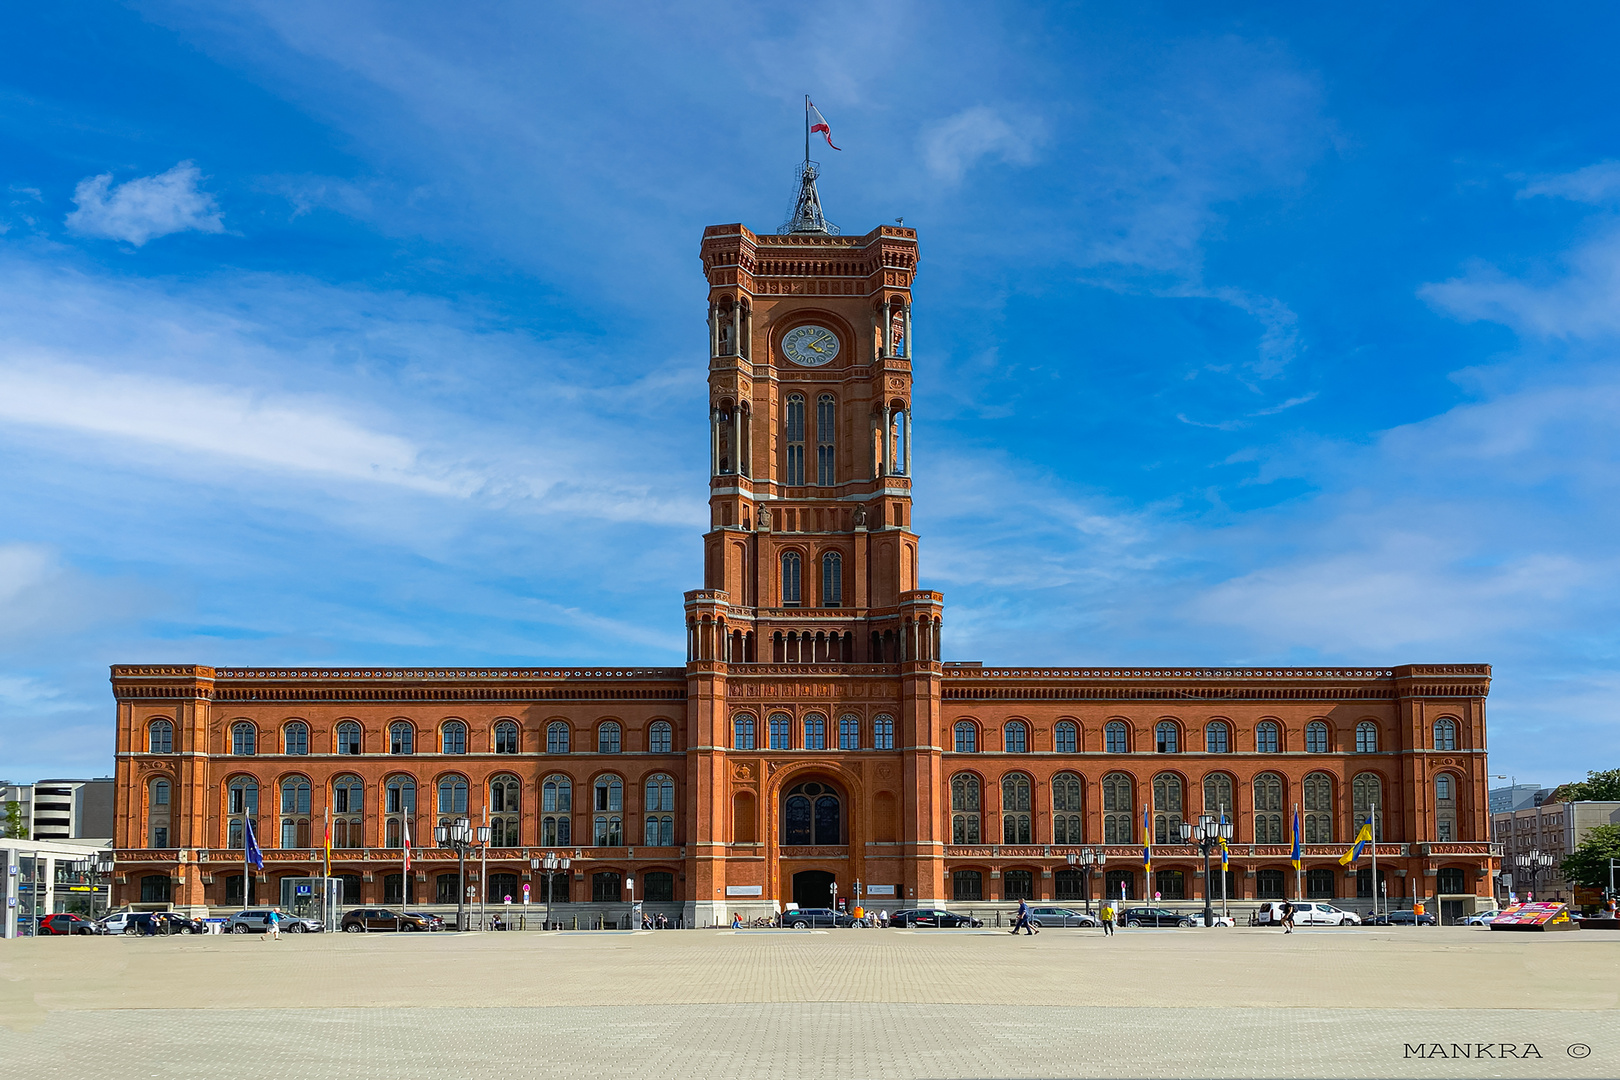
[552,864]
[1207,836]
[1534,864]
[1084,859]
[460,836]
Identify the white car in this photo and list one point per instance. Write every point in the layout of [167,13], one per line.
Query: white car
[1306,913]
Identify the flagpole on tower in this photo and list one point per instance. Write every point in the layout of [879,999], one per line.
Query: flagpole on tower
[807,130]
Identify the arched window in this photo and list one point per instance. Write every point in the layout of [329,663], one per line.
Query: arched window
[1116,739]
[1451,880]
[1318,809]
[812,814]
[399,808]
[609,808]
[157,815]
[1118,827]
[793,471]
[1065,737]
[1015,737]
[883,732]
[1015,809]
[849,732]
[241,806]
[605,886]
[1316,737]
[1067,823]
[295,812]
[505,811]
[781,731]
[506,737]
[826,428]
[244,738]
[1367,799]
[401,737]
[1269,884]
[348,737]
[1266,739]
[832,580]
[607,738]
[556,807]
[742,731]
[659,809]
[1319,884]
[1366,737]
[1168,807]
[815,731]
[557,737]
[295,739]
[155,888]
[1217,737]
[1218,798]
[453,738]
[967,885]
[348,813]
[453,795]
[660,737]
[790,579]
[964,809]
[1018,885]
[967,737]
[1445,734]
[160,737]
[1166,737]
[1268,804]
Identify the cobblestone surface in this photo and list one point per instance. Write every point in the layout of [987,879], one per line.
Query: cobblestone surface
[843,1004]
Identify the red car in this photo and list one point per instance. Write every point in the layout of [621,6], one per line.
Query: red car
[64,923]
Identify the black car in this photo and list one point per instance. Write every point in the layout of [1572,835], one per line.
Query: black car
[1400,918]
[1153,916]
[932,917]
[806,918]
[172,922]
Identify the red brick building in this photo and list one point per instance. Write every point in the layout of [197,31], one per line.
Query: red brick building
[815,735]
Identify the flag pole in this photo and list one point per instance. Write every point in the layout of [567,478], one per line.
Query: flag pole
[1299,841]
[1374,823]
[807,131]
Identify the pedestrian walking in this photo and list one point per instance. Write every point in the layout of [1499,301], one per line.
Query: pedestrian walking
[1107,914]
[1288,917]
[272,924]
[883,917]
[1023,920]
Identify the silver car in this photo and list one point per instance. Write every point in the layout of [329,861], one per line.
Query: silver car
[256,921]
[1060,916]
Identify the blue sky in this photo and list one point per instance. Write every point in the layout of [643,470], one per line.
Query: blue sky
[373,333]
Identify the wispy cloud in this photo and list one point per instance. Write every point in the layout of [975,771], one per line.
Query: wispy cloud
[952,146]
[145,208]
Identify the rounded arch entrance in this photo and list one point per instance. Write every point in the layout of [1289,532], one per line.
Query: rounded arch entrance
[814,814]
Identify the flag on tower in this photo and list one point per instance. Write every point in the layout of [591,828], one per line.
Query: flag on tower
[819,123]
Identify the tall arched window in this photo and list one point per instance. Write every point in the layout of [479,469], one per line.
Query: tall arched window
[883,732]
[453,738]
[1118,827]
[812,814]
[1217,737]
[348,737]
[607,738]
[1366,737]
[1067,824]
[781,731]
[348,812]
[1065,737]
[506,737]
[1015,737]
[295,812]
[399,809]
[964,809]
[1318,809]
[295,739]
[1316,737]
[609,809]
[241,805]
[790,579]
[1015,809]
[742,731]
[401,737]
[849,732]
[1116,738]
[1367,799]
[160,737]
[1168,808]
[660,737]
[1218,798]
[556,808]
[557,737]
[832,580]
[1445,734]
[244,738]
[1167,737]
[826,429]
[505,811]
[1266,738]
[793,474]
[815,731]
[659,810]
[453,795]
[1268,804]
[967,737]
[157,814]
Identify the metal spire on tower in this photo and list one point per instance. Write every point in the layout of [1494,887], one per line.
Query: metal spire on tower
[807,216]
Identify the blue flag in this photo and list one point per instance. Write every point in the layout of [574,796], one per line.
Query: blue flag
[1297,855]
[252,855]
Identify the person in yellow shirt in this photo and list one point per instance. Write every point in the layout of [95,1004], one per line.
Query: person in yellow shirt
[1107,914]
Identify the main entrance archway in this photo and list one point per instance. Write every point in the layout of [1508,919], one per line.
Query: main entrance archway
[813,888]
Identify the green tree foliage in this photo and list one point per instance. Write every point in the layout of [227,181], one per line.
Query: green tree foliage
[16,827]
[1589,863]
[1597,787]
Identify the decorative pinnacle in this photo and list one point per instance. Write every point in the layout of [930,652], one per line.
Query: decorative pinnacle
[807,216]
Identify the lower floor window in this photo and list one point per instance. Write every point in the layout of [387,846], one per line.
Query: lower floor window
[1319,884]
[1170,884]
[233,891]
[504,887]
[1071,884]
[398,890]
[1121,883]
[605,887]
[1017,885]
[1451,881]
[1364,882]
[449,888]
[658,887]
[1268,885]
[155,889]
[967,885]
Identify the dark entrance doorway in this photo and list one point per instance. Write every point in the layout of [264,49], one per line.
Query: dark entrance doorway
[813,888]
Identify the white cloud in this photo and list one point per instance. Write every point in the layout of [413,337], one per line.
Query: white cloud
[1596,184]
[1582,303]
[953,146]
[144,208]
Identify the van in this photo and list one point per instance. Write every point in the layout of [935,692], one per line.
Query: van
[1306,913]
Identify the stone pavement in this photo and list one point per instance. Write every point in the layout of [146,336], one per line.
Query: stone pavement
[845,1004]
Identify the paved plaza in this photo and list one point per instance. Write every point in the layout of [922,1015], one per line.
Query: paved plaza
[841,1004]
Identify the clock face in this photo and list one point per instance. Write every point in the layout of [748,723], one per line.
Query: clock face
[810,346]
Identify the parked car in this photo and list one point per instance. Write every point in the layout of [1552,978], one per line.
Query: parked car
[1404,917]
[1306,913]
[65,924]
[256,921]
[1151,916]
[805,918]
[172,922]
[434,922]
[1060,916]
[1197,919]
[1481,918]
[363,920]
[932,917]
[127,922]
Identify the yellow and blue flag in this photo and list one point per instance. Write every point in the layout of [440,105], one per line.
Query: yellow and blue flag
[1363,838]
[1147,841]
[1299,855]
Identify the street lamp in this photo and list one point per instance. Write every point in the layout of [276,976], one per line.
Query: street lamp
[630,889]
[1513,819]
[552,864]
[1207,836]
[1534,863]
[462,837]
[1084,859]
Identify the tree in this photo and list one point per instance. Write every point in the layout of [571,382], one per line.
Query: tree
[1597,787]
[16,828]
[1588,864]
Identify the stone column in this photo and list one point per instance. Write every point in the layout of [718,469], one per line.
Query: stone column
[907,317]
